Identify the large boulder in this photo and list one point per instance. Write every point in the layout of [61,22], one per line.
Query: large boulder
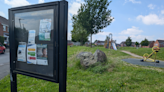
[87,58]
[99,56]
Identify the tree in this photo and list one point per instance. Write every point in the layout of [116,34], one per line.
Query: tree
[1,40]
[93,16]
[137,43]
[78,32]
[145,42]
[128,42]
[95,41]
[80,36]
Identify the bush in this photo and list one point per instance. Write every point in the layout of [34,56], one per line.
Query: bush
[2,39]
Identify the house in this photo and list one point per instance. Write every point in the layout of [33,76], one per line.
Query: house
[99,42]
[69,42]
[123,44]
[151,44]
[118,45]
[4,29]
[133,44]
[87,43]
[159,43]
[76,43]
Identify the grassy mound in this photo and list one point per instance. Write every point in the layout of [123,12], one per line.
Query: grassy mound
[114,76]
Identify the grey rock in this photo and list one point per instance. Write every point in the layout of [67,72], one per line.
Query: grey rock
[87,58]
[99,56]
[83,55]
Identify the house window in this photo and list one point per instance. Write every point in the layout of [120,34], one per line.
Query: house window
[4,28]
[156,44]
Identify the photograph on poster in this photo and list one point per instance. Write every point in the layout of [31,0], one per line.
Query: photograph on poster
[42,54]
[21,53]
[31,37]
[45,30]
[31,54]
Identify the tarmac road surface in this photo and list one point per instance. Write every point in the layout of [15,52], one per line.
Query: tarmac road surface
[138,62]
[4,64]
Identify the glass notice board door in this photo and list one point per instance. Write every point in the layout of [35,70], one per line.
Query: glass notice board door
[34,39]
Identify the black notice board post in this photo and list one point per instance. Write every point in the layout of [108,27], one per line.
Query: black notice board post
[47,59]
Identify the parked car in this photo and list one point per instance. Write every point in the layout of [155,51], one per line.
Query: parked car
[2,49]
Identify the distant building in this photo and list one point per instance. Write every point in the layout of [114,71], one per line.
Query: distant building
[151,44]
[123,44]
[133,44]
[87,43]
[159,43]
[69,42]
[99,42]
[76,43]
[4,29]
[118,45]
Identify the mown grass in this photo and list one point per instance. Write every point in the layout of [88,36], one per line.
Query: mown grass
[142,51]
[115,76]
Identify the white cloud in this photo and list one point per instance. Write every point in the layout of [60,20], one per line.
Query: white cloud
[103,33]
[2,14]
[16,3]
[151,6]
[74,8]
[135,34]
[162,11]
[151,19]
[109,18]
[131,31]
[41,1]
[133,1]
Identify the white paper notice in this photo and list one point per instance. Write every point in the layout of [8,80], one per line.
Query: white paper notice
[31,54]
[42,54]
[45,29]
[31,37]
[21,53]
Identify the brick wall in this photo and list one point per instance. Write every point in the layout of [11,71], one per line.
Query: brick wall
[151,44]
[145,46]
[1,30]
[156,43]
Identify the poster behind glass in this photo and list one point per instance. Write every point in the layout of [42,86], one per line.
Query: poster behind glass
[34,40]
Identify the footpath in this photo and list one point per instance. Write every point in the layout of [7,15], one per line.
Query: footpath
[132,54]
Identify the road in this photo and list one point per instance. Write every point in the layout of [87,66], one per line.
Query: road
[4,64]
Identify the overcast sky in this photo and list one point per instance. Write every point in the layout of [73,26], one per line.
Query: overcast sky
[138,19]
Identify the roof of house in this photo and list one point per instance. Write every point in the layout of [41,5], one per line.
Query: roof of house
[160,41]
[3,20]
[100,41]
[122,42]
[151,41]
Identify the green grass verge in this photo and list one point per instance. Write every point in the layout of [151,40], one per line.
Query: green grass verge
[115,76]
[142,51]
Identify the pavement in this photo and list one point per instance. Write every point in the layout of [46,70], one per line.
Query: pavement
[132,54]
[138,62]
[4,64]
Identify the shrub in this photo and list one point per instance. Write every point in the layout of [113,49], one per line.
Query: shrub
[2,39]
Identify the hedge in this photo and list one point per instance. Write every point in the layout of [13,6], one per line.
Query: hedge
[2,39]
